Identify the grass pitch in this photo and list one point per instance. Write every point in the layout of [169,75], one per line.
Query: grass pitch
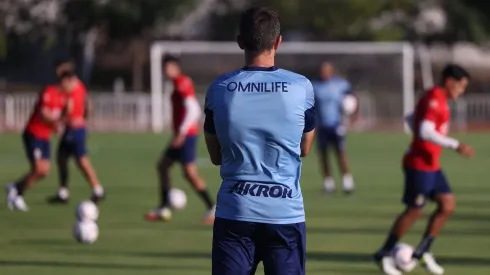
[342,231]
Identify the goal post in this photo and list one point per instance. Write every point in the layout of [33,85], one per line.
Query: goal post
[159,121]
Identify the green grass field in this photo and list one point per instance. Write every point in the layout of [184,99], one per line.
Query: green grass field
[342,231]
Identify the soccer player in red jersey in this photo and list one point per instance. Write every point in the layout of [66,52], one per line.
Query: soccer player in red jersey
[186,115]
[73,142]
[424,178]
[36,137]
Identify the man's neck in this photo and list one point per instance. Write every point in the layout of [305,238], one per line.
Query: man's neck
[264,60]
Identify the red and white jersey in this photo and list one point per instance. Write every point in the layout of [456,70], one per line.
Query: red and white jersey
[183,89]
[52,99]
[422,154]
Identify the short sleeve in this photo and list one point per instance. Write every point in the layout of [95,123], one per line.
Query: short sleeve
[310,113]
[47,98]
[209,113]
[185,87]
[347,88]
[432,109]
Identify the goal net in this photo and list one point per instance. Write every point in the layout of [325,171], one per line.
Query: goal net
[381,74]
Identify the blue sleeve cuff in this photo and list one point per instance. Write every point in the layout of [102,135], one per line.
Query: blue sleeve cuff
[209,122]
[310,120]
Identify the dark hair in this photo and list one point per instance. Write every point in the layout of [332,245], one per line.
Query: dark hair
[66,74]
[455,72]
[259,29]
[170,58]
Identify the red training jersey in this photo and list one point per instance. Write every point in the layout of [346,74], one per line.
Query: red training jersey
[52,99]
[77,97]
[183,88]
[433,106]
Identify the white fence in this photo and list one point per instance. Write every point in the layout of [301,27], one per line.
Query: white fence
[131,112]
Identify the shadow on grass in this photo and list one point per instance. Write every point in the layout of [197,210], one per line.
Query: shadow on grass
[55,264]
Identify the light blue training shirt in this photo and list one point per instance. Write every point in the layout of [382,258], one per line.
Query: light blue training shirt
[328,99]
[259,116]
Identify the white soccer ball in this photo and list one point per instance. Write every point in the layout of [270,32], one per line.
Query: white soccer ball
[402,254]
[349,104]
[87,211]
[86,232]
[178,198]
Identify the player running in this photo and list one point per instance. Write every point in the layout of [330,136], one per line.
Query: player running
[330,91]
[36,137]
[260,121]
[186,116]
[73,142]
[424,178]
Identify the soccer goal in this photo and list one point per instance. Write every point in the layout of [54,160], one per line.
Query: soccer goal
[382,74]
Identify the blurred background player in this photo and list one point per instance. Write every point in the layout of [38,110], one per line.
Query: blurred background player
[36,137]
[260,121]
[330,91]
[424,178]
[73,141]
[186,117]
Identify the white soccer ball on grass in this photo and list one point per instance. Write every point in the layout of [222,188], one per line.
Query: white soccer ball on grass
[86,232]
[402,255]
[178,199]
[87,211]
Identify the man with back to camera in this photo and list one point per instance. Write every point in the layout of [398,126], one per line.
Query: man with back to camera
[424,179]
[260,121]
[330,91]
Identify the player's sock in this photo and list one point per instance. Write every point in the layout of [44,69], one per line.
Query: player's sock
[423,247]
[389,244]
[98,191]
[63,193]
[348,183]
[206,198]
[164,199]
[329,184]
[20,186]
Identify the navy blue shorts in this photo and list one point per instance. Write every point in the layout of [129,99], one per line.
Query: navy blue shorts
[35,148]
[73,143]
[331,136]
[423,185]
[185,154]
[238,248]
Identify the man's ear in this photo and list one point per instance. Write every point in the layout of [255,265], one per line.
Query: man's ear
[277,42]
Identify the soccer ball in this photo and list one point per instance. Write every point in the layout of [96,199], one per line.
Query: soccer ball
[178,198]
[87,211]
[86,232]
[402,255]
[349,104]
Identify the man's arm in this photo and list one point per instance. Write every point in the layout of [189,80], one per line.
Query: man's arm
[310,121]
[429,133]
[309,132]
[192,114]
[46,108]
[212,142]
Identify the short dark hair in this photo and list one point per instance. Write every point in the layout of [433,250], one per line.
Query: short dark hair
[170,58]
[455,72]
[66,74]
[259,29]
